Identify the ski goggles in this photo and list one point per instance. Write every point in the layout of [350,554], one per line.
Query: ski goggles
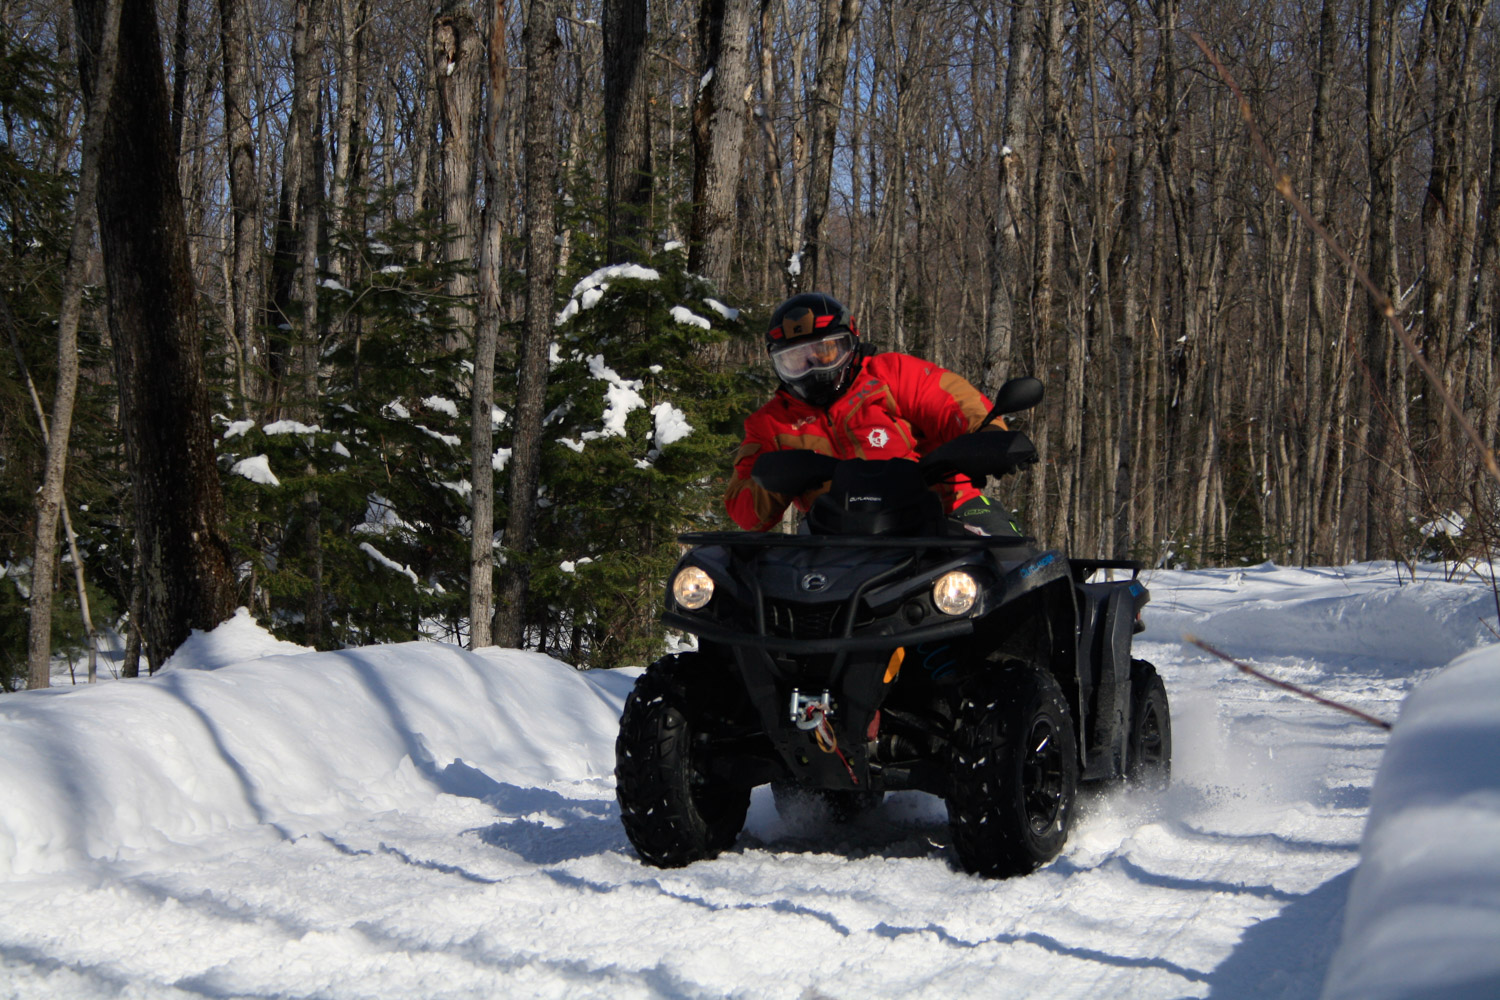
[803,357]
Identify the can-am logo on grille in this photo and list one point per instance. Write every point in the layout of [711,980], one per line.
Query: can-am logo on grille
[814,582]
[879,438]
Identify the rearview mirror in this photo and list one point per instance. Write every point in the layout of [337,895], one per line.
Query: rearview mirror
[1014,396]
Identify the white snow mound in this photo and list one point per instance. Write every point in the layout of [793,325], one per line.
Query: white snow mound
[286,741]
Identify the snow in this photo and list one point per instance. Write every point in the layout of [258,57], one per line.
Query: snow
[419,820]
[237,428]
[1451,524]
[290,427]
[441,405]
[1423,916]
[451,440]
[388,562]
[686,317]
[257,469]
[670,424]
[728,312]
[589,290]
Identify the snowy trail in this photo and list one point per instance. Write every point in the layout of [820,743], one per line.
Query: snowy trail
[1231,884]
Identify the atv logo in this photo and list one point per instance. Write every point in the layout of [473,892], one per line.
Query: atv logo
[814,582]
[879,438]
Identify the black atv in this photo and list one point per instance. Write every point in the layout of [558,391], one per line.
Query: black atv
[886,647]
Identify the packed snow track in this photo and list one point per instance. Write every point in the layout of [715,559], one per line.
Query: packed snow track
[420,821]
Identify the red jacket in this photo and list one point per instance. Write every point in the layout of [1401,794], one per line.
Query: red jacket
[898,407]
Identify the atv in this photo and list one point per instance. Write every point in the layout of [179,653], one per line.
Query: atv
[886,647]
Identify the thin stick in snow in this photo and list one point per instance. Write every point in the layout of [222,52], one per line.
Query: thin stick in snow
[1284,685]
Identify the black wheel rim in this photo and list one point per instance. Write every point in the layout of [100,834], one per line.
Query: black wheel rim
[1151,743]
[1042,777]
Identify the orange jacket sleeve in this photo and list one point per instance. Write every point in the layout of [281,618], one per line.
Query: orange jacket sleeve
[753,507]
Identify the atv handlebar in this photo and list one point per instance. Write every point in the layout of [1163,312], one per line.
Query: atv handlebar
[976,455]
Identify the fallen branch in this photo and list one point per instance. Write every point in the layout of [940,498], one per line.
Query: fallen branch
[1284,685]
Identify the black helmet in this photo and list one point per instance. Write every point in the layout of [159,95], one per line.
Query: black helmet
[814,345]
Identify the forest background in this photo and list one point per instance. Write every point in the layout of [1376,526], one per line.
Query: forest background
[400,317]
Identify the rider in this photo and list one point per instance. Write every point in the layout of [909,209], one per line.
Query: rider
[840,398]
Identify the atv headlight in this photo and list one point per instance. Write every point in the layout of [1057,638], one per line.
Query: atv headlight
[955,592]
[692,588]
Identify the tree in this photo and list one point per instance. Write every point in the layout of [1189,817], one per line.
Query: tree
[835,30]
[627,135]
[58,431]
[239,133]
[487,333]
[164,413]
[456,54]
[541,47]
[718,134]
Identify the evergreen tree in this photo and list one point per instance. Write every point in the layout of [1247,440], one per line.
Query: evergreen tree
[643,418]
[387,458]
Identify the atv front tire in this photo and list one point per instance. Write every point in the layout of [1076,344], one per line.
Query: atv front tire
[1013,772]
[1148,753]
[672,812]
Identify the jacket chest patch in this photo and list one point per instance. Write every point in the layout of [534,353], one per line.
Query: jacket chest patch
[879,437]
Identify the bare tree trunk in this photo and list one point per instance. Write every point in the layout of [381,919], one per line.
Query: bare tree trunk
[719,135]
[307,42]
[1008,253]
[1317,394]
[349,124]
[179,75]
[456,53]
[1045,262]
[426,127]
[67,378]
[1131,325]
[50,500]
[627,131]
[827,100]
[244,198]
[1379,506]
[778,234]
[164,409]
[1486,327]
[542,45]
[487,334]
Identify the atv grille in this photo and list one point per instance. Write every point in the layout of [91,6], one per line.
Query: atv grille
[789,620]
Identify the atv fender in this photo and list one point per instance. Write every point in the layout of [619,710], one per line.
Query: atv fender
[1107,624]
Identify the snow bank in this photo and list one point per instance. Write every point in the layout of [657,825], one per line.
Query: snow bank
[242,731]
[1369,614]
[1423,917]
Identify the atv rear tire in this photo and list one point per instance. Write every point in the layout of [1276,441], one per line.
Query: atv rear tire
[672,812]
[1148,754]
[1013,772]
[839,806]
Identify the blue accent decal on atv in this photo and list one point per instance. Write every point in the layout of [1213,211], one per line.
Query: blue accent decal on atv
[1041,563]
[1135,590]
[943,667]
